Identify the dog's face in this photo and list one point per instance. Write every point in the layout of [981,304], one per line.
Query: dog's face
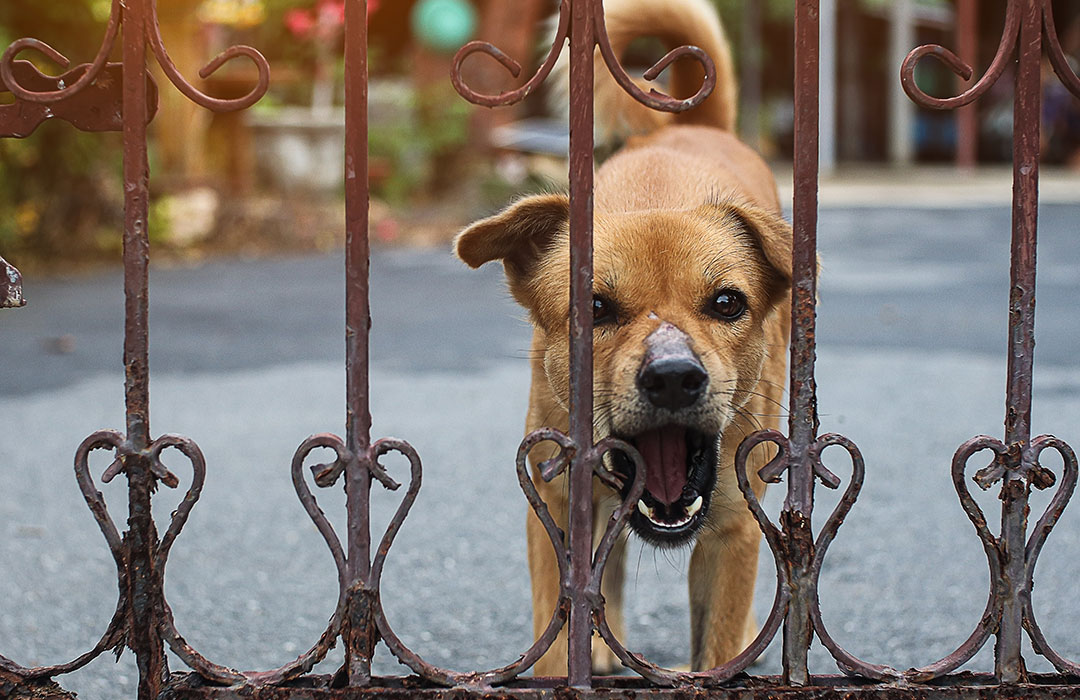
[680,302]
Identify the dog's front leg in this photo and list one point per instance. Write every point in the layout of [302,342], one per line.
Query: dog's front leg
[544,572]
[723,569]
[604,661]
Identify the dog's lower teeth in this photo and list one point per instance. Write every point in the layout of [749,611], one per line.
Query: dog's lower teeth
[691,511]
[671,526]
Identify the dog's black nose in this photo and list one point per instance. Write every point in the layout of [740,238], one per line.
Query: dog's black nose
[673,382]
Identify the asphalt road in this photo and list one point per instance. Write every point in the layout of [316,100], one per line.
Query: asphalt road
[247,360]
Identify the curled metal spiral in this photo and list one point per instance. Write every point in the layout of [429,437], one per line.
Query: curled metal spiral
[326,475]
[990,619]
[1056,54]
[1002,57]
[482,679]
[1046,523]
[306,661]
[1009,37]
[514,68]
[153,37]
[653,99]
[116,633]
[8,59]
[845,660]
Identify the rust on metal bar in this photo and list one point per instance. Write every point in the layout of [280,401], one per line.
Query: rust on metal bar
[803,419]
[357,334]
[582,41]
[965,686]
[1016,484]
[11,290]
[98,107]
[144,589]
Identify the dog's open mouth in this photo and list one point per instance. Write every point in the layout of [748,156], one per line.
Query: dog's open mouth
[680,473]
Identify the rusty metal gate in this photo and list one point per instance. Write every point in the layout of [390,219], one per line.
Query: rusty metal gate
[103,96]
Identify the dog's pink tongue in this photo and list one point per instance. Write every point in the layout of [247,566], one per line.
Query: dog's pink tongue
[664,451]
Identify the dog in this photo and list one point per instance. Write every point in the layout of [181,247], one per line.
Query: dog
[692,273]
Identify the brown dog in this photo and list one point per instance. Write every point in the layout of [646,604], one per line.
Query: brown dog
[692,272]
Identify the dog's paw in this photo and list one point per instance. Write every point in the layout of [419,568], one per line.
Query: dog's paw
[604,661]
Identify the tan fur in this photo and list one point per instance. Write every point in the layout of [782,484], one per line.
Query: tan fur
[679,214]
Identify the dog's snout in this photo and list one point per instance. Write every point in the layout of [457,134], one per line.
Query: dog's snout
[673,382]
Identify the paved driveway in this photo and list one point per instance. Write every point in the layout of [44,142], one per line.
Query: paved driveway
[247,360]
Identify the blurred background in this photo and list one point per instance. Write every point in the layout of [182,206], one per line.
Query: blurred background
[247,355]
[269,179]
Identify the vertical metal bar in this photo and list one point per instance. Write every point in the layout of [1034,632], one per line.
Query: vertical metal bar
[136,240]
[967,118]
[357,324]
[803,420]
[582,41]
[1009,665]
[143,591]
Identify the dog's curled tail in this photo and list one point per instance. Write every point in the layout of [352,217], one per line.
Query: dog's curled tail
[675,23]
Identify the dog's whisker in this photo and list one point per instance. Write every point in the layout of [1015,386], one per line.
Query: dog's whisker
[765,397]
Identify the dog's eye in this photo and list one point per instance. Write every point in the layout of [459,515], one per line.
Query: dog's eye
[727,305]
[603,311]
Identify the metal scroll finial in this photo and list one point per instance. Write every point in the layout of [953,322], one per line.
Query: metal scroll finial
[8,59]
[153,36]
[653,99]
[1002,57]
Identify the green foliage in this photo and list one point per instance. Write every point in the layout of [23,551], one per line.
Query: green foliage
[59,187]
[774,11]
[281,48]
[418,153]
[58,193]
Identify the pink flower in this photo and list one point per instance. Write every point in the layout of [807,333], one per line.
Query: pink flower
[300,23]
[331,12]
[322,21]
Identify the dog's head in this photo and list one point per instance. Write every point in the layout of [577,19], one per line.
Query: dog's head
[681,300]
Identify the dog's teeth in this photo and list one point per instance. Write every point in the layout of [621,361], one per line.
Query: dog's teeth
[695,506]
[645,510]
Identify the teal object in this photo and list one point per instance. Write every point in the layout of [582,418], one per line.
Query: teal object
[443,25]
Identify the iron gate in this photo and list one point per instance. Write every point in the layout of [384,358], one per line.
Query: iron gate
[103,96]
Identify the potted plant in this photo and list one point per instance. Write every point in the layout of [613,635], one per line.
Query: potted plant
[301,147]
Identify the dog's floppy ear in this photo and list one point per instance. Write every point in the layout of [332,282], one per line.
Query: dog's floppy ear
[518,235]
[771,234]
